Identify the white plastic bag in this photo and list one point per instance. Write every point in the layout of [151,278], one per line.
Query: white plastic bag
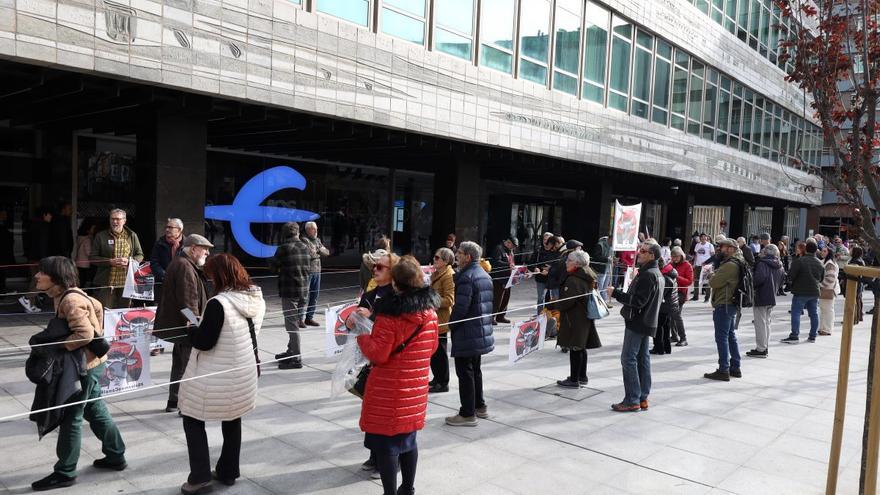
[139,281]
[352,360]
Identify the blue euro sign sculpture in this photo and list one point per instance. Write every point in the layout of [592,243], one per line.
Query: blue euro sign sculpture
[245,208]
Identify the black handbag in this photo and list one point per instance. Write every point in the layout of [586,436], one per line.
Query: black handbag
[360,386]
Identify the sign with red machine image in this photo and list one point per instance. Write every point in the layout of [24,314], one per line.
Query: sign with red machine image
[626,227]
[128,361]
[336,331]
[527,337]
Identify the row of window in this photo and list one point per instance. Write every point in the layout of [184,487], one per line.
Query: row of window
[759,23]
[600,56]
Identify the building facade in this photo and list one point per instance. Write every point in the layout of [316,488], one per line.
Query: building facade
[418,118]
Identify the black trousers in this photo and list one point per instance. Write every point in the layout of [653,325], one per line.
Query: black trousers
[200,456]
[389,465]
[440,362]
[501,297]
[470,385]
[179,359]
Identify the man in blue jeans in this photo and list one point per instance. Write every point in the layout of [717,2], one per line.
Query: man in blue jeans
[641,308]
[725,309]
[806,274]
[316,250]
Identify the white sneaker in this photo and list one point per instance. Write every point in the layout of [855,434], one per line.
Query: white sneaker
[28,305]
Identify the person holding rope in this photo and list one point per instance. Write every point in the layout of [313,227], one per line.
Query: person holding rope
[185,287]
[576,331]
[57,277]
[225,338]
[400,346]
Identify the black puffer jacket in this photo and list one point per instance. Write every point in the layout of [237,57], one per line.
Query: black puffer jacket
[670,304]
[473,302]
[641,303]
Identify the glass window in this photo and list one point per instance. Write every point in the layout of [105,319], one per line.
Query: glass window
[642,74]
[454,27]
[534,40]
[404,25]
[742,20]
[735,120]
[496,33]
[679,89]
[717,9]
[356,11]
[662,74]
[764,39]
[767,137]
[696,97]
[746,123]
[620,63]
[757,119]
[723,110]
[709,102]
[754,23]
[595,53]
[703,5]
[567,55]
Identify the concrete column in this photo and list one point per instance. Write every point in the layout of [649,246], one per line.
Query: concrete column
[457,202]
[171,155]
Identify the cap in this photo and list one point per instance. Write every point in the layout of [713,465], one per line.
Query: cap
[513,241]
[196,240]
[719,237]
[573,244]
[764,236]
[726,242]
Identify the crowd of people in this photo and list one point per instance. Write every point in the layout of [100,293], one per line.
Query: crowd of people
[212,311]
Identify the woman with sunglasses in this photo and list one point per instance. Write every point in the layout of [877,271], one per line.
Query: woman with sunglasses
[443,285]
[385,261]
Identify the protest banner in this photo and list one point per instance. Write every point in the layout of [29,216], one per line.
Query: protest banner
[336,331]
[526,337]
[128,363]
[517,275]
[626,227]
[139,281]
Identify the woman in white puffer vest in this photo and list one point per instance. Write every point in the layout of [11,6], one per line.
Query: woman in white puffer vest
[223,343]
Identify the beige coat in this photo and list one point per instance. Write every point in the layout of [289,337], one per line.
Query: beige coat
[443,285]
[85,317]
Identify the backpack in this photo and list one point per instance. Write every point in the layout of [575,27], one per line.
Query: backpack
[745,288]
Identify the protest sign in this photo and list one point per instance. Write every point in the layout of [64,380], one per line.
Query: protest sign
[517,275]
[527,337]
[128,363]
[336,331]
[139,281]
[626,227]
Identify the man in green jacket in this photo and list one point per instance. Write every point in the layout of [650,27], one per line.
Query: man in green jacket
[724,283]
[111,250]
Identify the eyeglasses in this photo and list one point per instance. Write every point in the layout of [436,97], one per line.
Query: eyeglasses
[379,267]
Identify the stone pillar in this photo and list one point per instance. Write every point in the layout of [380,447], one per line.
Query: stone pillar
[171,155]
[778,223]
[457,202]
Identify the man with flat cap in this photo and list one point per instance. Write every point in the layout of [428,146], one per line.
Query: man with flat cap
[185,287]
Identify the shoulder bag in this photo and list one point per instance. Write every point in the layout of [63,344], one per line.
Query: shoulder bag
[596,307]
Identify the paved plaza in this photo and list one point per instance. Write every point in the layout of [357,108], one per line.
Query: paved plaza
[768,432]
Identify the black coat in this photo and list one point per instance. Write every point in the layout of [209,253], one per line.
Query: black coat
[768,277]
[600,257]
[575,329]
[748,255]
[641,303]
[161,256]
[56,372]
[473,299]
[670,304]
[543,258]
[501,257]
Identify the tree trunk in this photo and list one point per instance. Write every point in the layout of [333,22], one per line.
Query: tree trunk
[871,363]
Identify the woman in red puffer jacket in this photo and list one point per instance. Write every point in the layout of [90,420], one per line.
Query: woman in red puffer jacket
[403,338]
[685,280]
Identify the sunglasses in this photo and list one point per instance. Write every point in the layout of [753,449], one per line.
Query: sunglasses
[379,267]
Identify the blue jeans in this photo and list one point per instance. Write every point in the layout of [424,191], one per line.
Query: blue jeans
[314,287]
[724,317]
[604,280]
[798,303]
[542,289]
[636,364]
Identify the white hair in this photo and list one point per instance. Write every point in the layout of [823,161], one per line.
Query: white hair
[311,225]
[580,258]
[176,221]
[118,210]
[471,249]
